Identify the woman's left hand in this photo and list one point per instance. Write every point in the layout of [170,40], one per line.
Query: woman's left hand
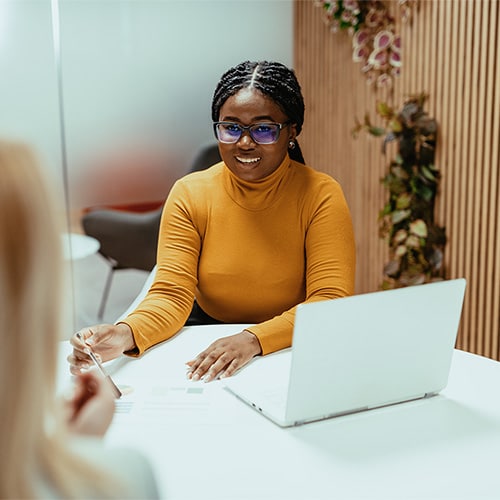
[224,356]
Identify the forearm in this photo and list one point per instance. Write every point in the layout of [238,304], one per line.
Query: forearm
[276,333]
[153,322]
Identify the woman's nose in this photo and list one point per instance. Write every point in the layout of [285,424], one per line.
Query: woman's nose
[245,140]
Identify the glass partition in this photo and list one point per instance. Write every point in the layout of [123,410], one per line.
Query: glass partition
[29,102]
[118,94]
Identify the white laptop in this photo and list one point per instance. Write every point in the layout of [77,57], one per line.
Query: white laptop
[357,353]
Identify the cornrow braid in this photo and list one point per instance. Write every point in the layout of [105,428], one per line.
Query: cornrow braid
[274,80]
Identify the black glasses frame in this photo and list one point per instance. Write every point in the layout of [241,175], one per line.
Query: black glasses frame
[249,128]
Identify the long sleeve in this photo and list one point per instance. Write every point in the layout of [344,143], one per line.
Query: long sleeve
[168,303]
[248,252]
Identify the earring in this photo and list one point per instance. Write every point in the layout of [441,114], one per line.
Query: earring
[291,145]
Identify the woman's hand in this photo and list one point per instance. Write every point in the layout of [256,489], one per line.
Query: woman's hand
[91,409]
[106,341]
[224,356]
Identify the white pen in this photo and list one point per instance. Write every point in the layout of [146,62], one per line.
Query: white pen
[93,357]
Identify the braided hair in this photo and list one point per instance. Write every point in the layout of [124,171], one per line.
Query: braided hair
[274,80]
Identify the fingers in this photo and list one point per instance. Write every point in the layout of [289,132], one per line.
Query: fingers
[106,341]
[92,405]
[209,364]
[223,357]
[94,337]
[82,337]
[86,388]
[77,363]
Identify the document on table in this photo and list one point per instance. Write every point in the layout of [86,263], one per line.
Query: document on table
[177,403]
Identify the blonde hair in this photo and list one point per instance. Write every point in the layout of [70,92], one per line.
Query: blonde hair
[33,439]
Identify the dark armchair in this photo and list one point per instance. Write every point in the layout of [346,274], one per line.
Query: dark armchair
[129,239]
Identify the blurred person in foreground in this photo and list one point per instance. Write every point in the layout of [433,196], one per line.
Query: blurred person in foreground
[49,448]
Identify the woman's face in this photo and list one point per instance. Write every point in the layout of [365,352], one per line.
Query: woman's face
[245,158]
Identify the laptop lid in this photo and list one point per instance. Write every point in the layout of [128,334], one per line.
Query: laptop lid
[357,353]
[370,350]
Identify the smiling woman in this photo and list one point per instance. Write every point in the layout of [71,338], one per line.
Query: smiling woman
[244,241]
[254,151]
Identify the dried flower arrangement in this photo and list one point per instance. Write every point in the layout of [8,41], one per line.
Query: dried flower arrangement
[416,242]
[375,43]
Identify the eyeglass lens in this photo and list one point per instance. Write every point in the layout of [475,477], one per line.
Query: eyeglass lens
[261,133]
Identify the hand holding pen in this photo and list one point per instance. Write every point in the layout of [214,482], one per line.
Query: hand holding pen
[106,341]
[88,350]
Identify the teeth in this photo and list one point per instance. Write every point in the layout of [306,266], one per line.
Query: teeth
[247,160]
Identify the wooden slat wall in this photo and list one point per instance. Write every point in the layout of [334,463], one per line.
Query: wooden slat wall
[451,50]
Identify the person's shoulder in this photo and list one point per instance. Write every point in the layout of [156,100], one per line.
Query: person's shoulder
[197,183]
[306,173]
[203,176]
[128,465]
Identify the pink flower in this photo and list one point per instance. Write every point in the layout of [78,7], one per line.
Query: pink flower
[360,38]
[395,59]
[378,59]
[367,68]
[373,18]
[395,72]
[352,5]
[384,80]
[346,16]
[383,40]
[360,54]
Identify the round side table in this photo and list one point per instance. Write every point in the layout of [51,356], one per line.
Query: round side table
[77,246]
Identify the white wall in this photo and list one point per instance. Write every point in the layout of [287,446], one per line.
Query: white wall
[29,109]
[138,80]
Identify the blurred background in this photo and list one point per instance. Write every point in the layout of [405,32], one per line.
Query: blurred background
[115,96]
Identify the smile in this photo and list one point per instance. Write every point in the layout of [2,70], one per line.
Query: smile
[248,160]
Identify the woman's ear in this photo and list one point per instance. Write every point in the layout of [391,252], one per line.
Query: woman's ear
[293,132]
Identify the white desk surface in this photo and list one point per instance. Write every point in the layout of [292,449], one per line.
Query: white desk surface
[206,444]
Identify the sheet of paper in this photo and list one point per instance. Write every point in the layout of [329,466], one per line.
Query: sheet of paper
[179,403]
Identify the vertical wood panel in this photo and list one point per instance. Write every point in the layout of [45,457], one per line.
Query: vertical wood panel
[451,51]
[493,298]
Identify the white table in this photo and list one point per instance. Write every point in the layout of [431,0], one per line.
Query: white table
[206,444]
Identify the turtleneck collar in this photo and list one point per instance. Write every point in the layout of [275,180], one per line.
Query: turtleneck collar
[257,195]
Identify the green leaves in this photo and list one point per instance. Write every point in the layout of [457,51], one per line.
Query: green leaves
[399,215]
[416,242]
[418,228]
[403,201]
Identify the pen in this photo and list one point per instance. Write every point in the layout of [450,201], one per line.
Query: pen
[93,357]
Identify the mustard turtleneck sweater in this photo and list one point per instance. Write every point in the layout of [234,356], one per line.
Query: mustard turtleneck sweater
[248,251]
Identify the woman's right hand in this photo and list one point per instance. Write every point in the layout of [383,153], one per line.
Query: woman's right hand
[91,408]
[106,341]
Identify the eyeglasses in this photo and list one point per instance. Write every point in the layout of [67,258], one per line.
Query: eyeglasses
[261,133]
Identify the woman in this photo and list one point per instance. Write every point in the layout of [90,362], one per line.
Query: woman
[41,453]
[248,239]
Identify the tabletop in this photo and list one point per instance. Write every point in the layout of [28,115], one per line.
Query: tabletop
[205,443]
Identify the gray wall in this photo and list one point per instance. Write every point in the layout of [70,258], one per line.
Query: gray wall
[136,80]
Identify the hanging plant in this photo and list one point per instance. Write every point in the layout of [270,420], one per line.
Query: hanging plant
[416,242]
[375,43]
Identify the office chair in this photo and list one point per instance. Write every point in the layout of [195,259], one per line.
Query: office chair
[129,239]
